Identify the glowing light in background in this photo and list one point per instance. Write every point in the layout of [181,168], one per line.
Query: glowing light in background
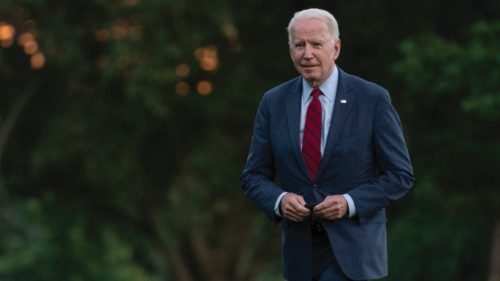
[37,60]
[25,37]
[26,40]
[7,33]
[204,87]
[182,88]
[207,57]
[182,70]
[30,47]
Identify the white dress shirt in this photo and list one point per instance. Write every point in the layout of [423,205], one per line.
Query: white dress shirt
[327,99]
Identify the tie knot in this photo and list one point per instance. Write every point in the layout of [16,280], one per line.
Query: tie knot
[315,92]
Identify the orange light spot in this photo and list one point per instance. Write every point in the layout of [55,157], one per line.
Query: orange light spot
[37,61]
[25,37]
[207,57]
[30,47]
[204,87]
[209,63]
[7,33]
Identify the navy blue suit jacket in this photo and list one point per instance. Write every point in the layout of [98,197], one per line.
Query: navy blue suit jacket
[365,156]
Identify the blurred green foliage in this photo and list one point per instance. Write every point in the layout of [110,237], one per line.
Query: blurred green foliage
[452,92]
[120,165]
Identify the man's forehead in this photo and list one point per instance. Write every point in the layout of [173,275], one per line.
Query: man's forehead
[310,34]
[310,23]
[309,26]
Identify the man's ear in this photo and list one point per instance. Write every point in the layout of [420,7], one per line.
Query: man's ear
[336,47]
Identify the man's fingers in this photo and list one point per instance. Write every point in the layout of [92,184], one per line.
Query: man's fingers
[294,218]
[293,208]
[329,214]
[329,202]
[299,206]
[333,207]
[301,201]
[325,213]
[300,212]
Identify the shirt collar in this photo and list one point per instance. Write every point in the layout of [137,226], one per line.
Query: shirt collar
[328,88]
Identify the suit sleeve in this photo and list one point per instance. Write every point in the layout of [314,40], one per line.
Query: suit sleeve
[395,173]
[257,179]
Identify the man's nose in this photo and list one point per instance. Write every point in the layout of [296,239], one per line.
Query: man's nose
[308,52]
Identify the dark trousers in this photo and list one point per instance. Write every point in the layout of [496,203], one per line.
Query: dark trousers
[325,265]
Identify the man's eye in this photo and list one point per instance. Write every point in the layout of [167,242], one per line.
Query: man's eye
[317,45]
[299,45]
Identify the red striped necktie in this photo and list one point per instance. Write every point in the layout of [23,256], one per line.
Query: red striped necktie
[311,139]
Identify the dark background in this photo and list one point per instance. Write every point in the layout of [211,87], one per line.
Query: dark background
[124,126]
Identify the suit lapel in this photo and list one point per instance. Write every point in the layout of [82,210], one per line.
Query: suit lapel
[292,107]
[344,101]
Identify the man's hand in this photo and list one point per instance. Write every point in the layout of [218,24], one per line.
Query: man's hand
[293,207]
[332,208]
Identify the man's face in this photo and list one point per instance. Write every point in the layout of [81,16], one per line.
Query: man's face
[313,50]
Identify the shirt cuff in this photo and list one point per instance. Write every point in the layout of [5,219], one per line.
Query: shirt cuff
[350,203]
[277,204]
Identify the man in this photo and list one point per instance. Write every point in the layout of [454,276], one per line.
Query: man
[336,144]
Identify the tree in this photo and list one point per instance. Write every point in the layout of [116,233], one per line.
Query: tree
[132,121]
[117,130]
[452,102]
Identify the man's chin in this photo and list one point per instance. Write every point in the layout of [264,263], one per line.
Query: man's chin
[308,76]
[313,81]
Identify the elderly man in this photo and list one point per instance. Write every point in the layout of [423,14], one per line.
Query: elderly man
[336,144]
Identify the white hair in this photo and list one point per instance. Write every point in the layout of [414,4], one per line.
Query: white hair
[318,14]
